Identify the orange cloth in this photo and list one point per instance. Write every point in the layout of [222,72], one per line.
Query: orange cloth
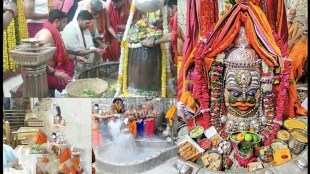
[97,139]
[298,56]
[132,126]
[171,112]
[65,155]
[224,35]
[173,24]
[41,138]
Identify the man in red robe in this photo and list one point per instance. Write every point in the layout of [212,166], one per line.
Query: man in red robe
[117,13]
[60,69]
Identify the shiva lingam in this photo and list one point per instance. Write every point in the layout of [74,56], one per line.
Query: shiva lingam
[33,56]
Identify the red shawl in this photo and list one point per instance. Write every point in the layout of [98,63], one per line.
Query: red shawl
[173,24]
[61,56]
[117,17]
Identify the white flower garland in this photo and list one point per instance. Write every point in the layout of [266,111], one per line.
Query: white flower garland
[120,70]
[134,45]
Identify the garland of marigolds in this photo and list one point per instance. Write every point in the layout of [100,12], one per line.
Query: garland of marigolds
[16,31]
[9,42]
[22,23]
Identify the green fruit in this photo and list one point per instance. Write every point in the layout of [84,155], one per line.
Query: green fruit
[234,136]
[243,133]
[248,137]
[255,138]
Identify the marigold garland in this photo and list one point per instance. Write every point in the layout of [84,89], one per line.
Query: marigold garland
[163,71]
[125,68]
[9,42]
[22,23]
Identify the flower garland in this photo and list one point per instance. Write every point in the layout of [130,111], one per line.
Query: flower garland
[5,51]
[125,67]
[200,89]
[122,67]
[216,76]
[166,45]
[134,45]
[163,71]
[282,95]
[22,24]
[9,42]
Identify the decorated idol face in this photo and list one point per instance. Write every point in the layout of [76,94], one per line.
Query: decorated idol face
[242,91]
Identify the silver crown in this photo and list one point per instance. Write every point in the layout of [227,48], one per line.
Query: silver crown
[242,56]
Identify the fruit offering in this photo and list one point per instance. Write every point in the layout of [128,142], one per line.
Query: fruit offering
[186,150]
[245,136]
[212,160]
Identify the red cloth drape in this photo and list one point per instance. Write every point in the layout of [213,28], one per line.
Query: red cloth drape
[173,24]
[117,17]
[200,17]
[276,15]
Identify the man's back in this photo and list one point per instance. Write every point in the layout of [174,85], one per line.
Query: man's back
[45,35]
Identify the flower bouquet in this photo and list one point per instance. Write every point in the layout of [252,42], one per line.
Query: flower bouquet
[143,30]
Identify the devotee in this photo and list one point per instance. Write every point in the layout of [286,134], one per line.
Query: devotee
[131,114]
[140,120]
[150,121]
[9,12]
[78,39]
[117,13]
[10,158]
[36,12]
[294,29]
[298,56]
[97,139]
[60,69]
[95,7]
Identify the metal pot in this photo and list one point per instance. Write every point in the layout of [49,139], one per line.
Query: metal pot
[244,155]
[198,137]
[295,145]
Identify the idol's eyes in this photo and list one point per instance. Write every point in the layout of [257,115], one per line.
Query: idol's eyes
[234,92]
[252,92]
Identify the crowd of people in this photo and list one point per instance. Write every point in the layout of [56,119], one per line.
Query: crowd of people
[140,122]
[84,32]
